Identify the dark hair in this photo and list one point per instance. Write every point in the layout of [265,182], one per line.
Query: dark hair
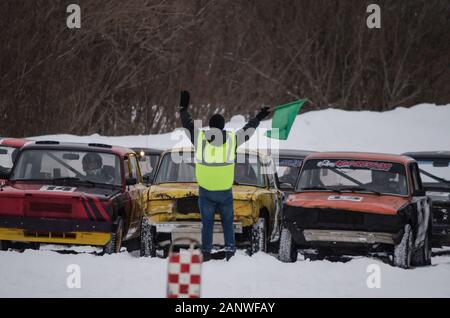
[217,121]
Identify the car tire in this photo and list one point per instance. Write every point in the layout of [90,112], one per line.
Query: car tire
[3,246]
[422,256]
[403,250]
[115,244]
[287,253]
[259,236]
[147,239]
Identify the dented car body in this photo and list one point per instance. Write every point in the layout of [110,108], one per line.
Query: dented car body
[173,211]
[51,198]
[353,201]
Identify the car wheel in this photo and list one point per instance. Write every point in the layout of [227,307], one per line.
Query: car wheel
[259,236]
[287,252]
[3,246]
[115,243]
[148,239]
[403,250]
[422,257]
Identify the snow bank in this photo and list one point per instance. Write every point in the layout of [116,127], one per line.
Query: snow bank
[420,128]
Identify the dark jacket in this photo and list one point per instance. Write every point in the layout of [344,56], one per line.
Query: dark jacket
[242,135]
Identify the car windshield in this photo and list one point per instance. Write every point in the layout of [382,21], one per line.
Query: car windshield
[7,158]
[354,176]
[148,164]
[435,173]
[67,166]
[180,167]
[288,170]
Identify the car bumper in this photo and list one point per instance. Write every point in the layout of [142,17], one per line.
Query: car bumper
[193,230]
[57,231]
[348,237]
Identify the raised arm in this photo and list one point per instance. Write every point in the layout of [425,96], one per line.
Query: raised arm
[186,119]
[246,132]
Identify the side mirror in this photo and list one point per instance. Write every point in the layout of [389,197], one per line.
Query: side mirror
[419,193]
[131,181]
[286,186]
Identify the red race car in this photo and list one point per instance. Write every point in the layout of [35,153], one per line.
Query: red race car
[8,152]
[75,194]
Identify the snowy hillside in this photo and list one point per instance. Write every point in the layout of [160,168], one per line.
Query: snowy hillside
[423,127]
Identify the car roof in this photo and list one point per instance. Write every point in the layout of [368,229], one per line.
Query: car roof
[361,156]
[13,142]
[291,153]
[239,151]
[428,154]
[120,151]
[148,151]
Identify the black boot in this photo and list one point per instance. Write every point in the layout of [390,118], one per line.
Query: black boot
[206,256]
[229,254]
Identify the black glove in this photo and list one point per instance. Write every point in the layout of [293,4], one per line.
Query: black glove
[263,113]
[184,99]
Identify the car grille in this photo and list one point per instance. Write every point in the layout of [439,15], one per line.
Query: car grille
[50,207]
[316,218]
[338,217]
[188,205]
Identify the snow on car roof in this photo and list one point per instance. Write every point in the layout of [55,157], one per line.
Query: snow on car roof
[361,156]
[121,151]
[291,153]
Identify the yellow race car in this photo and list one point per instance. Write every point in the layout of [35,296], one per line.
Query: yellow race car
[173,212]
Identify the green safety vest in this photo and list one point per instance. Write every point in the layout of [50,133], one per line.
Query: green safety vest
[214,165]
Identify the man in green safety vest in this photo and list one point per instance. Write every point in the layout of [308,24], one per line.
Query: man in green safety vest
[215,155]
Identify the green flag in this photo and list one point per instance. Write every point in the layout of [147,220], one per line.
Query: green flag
[283,119]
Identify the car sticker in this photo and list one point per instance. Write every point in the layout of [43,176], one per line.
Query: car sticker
[371,165]
[344,198]
[326,164]
[57,189]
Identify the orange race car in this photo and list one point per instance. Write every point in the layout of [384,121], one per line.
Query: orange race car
[349,202]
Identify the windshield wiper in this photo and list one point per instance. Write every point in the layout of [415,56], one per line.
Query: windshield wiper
[72,179]
[359,189]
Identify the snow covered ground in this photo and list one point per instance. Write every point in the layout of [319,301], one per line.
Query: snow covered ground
[424,127]
[43,274]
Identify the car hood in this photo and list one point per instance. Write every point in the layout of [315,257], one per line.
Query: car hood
[167,191]
[40,189]
[358,202]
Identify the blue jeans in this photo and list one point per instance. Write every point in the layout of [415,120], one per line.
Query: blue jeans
[209,202]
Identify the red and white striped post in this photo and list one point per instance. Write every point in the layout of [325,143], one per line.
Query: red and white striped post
[184,271]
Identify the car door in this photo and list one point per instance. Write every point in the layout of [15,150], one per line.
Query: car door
[277,198]
[422,204]
[133,192]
